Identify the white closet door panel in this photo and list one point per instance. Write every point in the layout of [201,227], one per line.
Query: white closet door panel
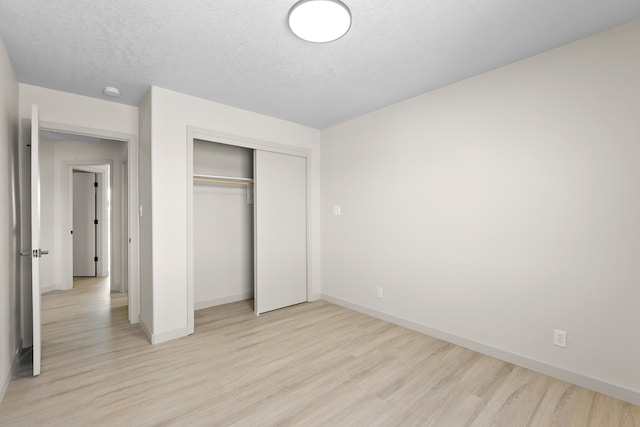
[281,230]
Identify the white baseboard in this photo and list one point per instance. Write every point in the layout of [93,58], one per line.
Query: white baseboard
[169,335]
[581,380]
[53,287]
[146,330]
[315,297]
[49,288]
[165,336]
[117,287]
[6,378]
[199,305]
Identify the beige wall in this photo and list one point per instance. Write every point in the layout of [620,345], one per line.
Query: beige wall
[498,209]
[9,214]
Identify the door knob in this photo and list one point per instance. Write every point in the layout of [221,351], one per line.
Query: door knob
[44,252]
[27,253]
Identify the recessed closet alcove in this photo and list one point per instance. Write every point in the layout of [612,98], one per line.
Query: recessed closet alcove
[248,225]
[223,224]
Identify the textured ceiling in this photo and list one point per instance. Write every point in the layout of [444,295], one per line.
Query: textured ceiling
[241,53]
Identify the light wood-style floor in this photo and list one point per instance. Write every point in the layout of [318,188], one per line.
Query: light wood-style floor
[314,364]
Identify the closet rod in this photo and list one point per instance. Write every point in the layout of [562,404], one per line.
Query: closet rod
[222,179]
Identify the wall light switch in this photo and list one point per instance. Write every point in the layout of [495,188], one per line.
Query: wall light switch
[337,210]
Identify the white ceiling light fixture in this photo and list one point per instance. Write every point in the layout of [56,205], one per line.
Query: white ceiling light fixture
[319,21]
[111,91]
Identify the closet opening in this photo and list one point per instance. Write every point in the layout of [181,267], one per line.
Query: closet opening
[223,259]
[247,224]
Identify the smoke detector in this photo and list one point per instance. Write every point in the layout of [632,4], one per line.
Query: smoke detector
[111,91]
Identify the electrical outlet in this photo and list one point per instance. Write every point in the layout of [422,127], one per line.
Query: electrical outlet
[560,338]
[379,290]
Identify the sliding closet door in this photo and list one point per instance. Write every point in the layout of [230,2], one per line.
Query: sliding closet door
[280,230]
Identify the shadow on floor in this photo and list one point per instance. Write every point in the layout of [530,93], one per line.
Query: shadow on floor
[25,364]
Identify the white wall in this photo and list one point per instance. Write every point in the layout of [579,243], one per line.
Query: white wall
[223,226]
[499,208]
[171,113]
[76,110]
[146,229]
[9,214]
[55,158]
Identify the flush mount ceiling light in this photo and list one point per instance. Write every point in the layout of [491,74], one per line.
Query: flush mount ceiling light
[319,21]
[111,91]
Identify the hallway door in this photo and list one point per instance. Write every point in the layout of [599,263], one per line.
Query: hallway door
[36,252]
[84,224]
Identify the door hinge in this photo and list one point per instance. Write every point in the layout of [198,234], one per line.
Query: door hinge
[95,221]
[95,184]
[95,259]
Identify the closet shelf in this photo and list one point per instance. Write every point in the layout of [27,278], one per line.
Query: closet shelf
[222,179]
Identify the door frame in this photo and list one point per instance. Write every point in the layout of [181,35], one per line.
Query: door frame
[35,223]
[103,170]
[133,224]
[194,133]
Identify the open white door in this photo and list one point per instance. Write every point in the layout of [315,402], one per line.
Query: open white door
[280,230]
[36,252]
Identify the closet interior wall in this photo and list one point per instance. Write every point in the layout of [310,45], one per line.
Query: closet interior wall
[222,225]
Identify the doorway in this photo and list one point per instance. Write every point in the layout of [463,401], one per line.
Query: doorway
[61,174]
[84,201]
[85,224]
[95,219]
